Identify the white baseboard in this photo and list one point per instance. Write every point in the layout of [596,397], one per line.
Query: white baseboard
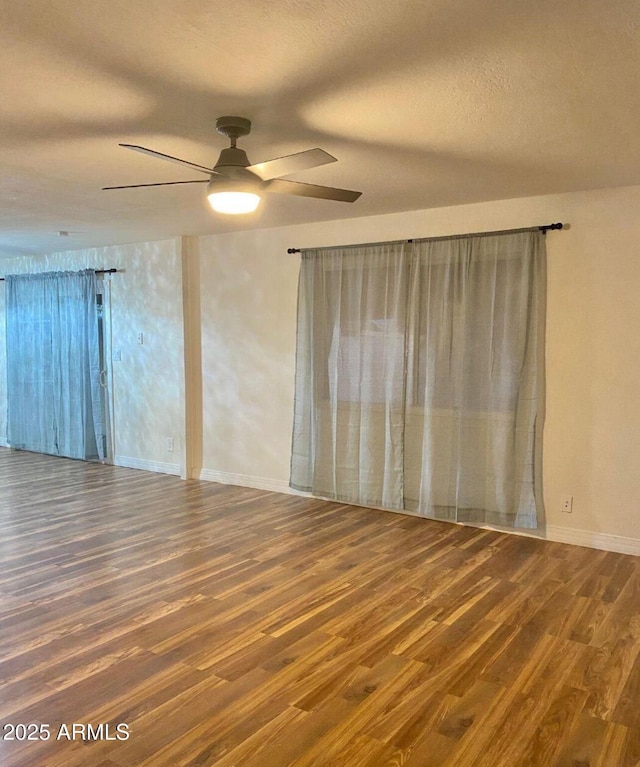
[246,480]
[586,538]
[603,541]
[160,467]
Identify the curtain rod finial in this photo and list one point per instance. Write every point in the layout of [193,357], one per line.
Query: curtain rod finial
[544,229]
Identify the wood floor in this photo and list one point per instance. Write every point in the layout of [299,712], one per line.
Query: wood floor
[242,628]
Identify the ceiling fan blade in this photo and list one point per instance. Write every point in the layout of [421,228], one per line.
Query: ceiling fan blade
[162,156]
[291,163]
[162,183]
[310,190]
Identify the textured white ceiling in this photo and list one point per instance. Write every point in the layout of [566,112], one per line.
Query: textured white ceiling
[424,103]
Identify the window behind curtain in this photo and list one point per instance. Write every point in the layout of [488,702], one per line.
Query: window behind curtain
[419,377]
[366,331]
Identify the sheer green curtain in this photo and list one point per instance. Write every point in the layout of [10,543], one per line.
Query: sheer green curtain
[53,365]
[420,377]
[349,404]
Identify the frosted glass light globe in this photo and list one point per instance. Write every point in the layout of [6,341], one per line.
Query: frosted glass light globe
[233,202]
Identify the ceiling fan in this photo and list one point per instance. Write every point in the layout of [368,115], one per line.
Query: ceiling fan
[234,185]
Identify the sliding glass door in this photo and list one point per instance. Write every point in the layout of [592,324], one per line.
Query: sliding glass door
[56,404]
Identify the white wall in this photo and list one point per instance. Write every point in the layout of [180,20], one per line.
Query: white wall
[147,298]
[592,431]
[248,306]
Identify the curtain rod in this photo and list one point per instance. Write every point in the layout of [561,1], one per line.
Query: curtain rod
[97,271]
[544,228]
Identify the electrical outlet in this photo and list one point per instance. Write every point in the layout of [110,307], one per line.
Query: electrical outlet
[170,444]
[140,338]
[567,504]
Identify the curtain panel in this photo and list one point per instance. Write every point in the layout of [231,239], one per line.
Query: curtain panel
[53,364]
[420,377]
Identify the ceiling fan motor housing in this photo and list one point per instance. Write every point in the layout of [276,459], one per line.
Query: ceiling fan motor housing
[232,157]
[230,172]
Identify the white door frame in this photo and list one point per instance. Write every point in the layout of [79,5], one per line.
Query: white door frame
[106,375]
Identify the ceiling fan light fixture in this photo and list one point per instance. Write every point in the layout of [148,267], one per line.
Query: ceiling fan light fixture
[233,203]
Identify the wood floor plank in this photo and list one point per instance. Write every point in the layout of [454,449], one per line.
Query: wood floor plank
[584,743]
[230,626]
[554,730]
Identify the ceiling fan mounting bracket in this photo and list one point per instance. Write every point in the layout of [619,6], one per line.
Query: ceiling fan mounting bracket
[233,127]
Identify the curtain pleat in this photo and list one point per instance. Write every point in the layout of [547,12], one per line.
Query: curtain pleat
[420,380]
[53,365]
